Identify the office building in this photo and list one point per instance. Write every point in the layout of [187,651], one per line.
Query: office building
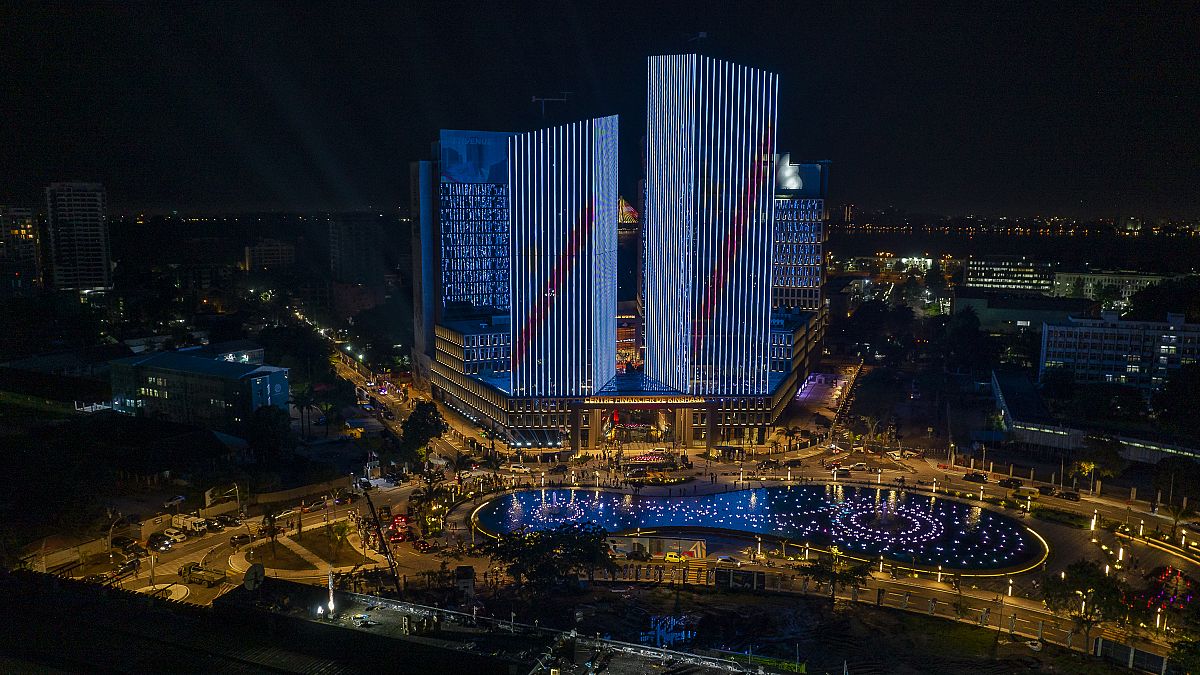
[710,184]
[799,272]
[20,256]
[563,253]
[212,394]
[1115,288]
[1141,354]
[356,248]
[1012,313]
[268,254]
[77,229]
[1009,273]
[528,340]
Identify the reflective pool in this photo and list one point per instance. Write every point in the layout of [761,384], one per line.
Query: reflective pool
[911,528]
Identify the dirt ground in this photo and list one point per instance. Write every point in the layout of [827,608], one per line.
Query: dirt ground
[869,640]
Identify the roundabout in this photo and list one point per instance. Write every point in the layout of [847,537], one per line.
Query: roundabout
[868,523]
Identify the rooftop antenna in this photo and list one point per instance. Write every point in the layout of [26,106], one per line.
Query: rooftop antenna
[543,100]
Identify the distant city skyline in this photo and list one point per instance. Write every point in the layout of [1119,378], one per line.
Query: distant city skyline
[1075,112]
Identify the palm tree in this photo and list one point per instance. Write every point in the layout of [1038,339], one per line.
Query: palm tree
[835,571]
[303,399]
[775,445]
[1177,512]
[340,532]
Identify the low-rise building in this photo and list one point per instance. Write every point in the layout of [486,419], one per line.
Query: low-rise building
[1142,354]
[1001,312]
[1117,287]
[204,392]
[1009,273]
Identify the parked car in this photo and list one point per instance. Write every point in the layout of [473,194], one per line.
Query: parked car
[519,468]
[214,525]
[121,542]
[174,501]
[841,473]
[159,542]
[1046,490]
[858,466]
[175,535]
[1069,496]
[768,464]
[729,560]
[638,554]
[345,498]
[318,504]
[128,567]
[975,478]
[794,463]
[97,578]
[136,550]
[229,520]
[365,484]
[239,540]
[1010,483]
[673,557]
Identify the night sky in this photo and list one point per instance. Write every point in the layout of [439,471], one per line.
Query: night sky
[222,107]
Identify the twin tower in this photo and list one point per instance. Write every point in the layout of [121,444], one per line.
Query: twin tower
[708,218]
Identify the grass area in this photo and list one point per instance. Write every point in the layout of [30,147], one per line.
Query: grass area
[1061,517]
[321,546]
[277,556]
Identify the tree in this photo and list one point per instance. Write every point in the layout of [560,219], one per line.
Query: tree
[1175,404]
[1177,477]
[1177,512]
[1185,656]
[546,559]
[339,532]
[269,433]
[423,425]
[1087,596]
[1153,303]
[935,279]
[1100,456]
[836,571]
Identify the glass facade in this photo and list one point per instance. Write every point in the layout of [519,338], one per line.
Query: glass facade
[473,217]
[563,222]
[710,196]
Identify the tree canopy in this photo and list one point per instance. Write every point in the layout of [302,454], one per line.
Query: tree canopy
[546,559]
[1087,595]
[1175,403]
[423,425]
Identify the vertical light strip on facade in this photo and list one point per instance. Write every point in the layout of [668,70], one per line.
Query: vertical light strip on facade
[563,234]
[710,147]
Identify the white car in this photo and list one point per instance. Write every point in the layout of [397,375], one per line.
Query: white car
[519,468]
[175,535]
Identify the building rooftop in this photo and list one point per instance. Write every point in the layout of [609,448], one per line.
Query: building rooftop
[196,365]
[1030,301]
[223,347]
[480,326]
[1020,398]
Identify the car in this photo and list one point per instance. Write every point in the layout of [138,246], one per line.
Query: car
[174,501]
[365,484]
[768,464]
[345,498]
[239,540]
[395,536]
[638,554]
[858,466]
[214,525]
[1010,483]
[128,567]
[673,557]
[175,535]
[121,542]
[228,520]
[793,463]
[1069,496]
[268,530]
[159,542]
[97,578]
[841,473]
[318,504]
[975,478]
[136,550]
[519,468]
[729,560]
[1047,490]
[559,468]
[422,546]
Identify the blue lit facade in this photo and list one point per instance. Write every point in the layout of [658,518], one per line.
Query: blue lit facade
[710,179]
[563,226]
[473,218]
[799,254]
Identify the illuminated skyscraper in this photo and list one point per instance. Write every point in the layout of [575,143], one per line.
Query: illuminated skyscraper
[563,227]
[799,234]
[710,179]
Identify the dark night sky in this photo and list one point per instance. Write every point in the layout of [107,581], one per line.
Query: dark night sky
[219,107]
